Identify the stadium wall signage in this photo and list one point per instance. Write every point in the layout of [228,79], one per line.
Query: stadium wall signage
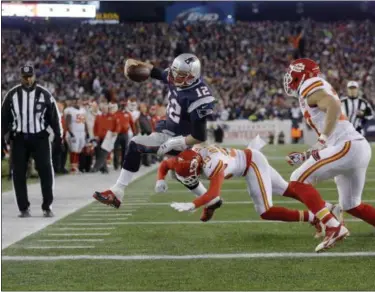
[190,12]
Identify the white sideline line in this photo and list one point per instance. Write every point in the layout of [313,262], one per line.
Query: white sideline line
[191,257]
[59,247]
[190,222]
[108,214]
[77,234]
[71,240]
[287,202]
[83,228]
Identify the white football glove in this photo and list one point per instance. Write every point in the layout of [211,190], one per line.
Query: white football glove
[161,186]
[181,207]
[176,143]
[320,144]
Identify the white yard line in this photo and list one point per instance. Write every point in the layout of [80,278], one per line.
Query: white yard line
[83,228]
[271,255]
[77,234]
[189,222]
[59,247]
[107,214]
[107,219]
[245,190]
[72,240]
[287,202]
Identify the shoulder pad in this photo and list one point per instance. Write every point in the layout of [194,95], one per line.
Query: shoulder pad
[310,86]
[213,162]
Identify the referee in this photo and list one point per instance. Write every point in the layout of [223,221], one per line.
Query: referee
[27,110]
[357,109]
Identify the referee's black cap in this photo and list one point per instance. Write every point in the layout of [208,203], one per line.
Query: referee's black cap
[27,71]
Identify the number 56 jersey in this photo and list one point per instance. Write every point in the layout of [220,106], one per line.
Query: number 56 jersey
[186,105]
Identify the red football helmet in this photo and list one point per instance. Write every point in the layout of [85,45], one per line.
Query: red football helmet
[188,167]
[299,71]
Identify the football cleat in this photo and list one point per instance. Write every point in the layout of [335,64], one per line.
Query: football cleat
[208,212]
[333,235]
[107,198]
[320,229]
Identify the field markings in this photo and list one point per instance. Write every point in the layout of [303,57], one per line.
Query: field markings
[77,234]
[59,247]
[245,190]
[191,222]
[83,228]
[287,202]
[108,214]
[72,240]
[97,211]
[271,255]
[105,219]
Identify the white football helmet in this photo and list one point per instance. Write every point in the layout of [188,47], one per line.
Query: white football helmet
[185,70]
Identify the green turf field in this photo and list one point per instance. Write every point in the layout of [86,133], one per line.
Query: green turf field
[146,245]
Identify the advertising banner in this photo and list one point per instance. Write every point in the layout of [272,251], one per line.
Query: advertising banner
[194,12]
[241,132]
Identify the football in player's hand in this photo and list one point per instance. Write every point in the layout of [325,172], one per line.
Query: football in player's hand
[138,73]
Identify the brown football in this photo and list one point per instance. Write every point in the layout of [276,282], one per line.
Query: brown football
[138,73]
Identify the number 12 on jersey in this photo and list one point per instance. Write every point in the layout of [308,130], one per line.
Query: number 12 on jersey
[203,91]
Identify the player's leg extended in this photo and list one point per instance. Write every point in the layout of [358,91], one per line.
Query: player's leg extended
[132,162]
[328,163]
[260,185]
[351,183]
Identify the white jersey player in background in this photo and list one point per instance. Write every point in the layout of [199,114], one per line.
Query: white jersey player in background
[217,164]
[340,152]
[132,108]
[75,116]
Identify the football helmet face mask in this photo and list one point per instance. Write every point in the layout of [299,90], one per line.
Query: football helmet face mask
[299,71]
[188,167]
[185,70]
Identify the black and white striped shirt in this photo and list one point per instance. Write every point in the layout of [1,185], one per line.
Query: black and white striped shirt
[30,111]
[350,107]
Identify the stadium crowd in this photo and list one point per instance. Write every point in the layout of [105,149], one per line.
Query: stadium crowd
[244,62]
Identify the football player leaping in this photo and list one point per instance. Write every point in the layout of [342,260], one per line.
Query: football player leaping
[262,180]
[340,152]
[190,103]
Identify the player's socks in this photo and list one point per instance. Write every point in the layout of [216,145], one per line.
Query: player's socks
[131,165]
[74,159]
[284,214]
[308,195]
[122,182]
[329,205]
[365,212]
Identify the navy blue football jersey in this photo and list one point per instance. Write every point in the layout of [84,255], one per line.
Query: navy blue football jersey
[187,104]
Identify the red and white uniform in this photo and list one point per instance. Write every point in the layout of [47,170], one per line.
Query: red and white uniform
[262,180]
[77,128]
[346,157]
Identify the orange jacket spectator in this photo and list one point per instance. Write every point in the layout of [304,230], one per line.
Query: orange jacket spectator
[104,123]
[124,120]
